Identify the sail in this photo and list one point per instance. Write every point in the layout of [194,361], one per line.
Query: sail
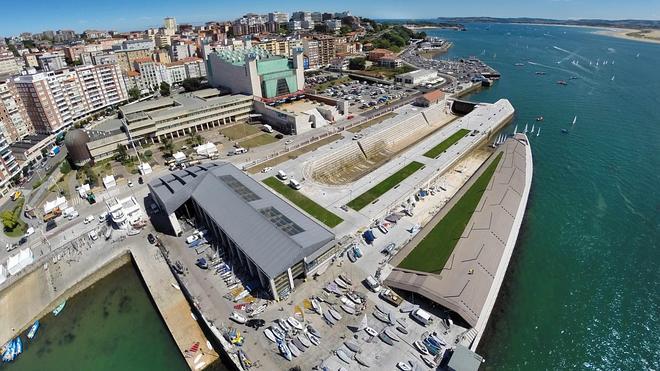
[574,120]
[363,323]
[515,130]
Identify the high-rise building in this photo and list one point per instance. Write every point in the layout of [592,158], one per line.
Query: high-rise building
[278,17]
[51,61]
[8,65]
[54,100]
[170,25]
[8,165]
[14,122]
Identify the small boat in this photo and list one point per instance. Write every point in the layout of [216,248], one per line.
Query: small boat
[175,286]
[519,64]
[343,356]
[404,366]
[531,131]
[313,331]
[540,73]
[429,361]
[352,346]
[391,334]
[386,339]
[354,298]
[269,334]
[370,331]
[33,330]
[328,317]
[298,344]
[348,309]
[58,309]
[381,317]
[420,347]
[564,131]
[316,306]
[392,318]
[351,256]
[260,309]
[361,360]
[346,301]
[381,309]
[408,307]
[293,348]
[341,283]
[525,131]
[277,332]
[284,325]
[242,295]
[562,82]
[294,323]
[357,251]
[402,330]
[243,359]
[334,314]
[284,350]
[574,120]
[313,339]
[538,132]
[345,278]
[304,340]
[237,318]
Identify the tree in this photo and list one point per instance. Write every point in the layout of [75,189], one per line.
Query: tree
[92,178]
[9,219]
[191,84]
[344,30]
[65,168]
[134,93]
[356,64]
[168,146]
[122,154]
[195,139]
[148,154]
[164,89]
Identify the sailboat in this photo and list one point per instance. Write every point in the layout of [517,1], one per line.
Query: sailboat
[525,131]
[612,62]
[637,56]
[363,324]
[532,128]
[574,120]
[612,79]
[515,130]
[538,132]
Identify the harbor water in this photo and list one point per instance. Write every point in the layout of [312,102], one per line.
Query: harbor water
[583,287]
[112,325]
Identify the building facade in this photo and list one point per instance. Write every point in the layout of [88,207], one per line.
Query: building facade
[14,121]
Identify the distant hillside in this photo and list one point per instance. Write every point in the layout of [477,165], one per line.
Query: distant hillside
[623,23]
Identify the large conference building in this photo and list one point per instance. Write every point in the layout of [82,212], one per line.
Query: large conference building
[275,242]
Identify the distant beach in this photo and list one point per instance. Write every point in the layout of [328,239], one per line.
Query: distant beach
[649,36]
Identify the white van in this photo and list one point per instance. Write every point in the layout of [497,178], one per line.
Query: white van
[281,175]
[422,316]
[240,150]
[294,184]
[372,284]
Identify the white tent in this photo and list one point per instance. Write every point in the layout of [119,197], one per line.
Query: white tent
[109,182]
[3,274]
[14,264]
[26,257]
[179,157]
[83,189]
[144,168]
[51,205]
[209,149]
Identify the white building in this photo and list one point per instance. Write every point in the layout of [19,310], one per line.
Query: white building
[8,64]
[59,202]
[51,61]
[124,212]
[183,50]
[416,77]
[333,24]
[3,274]
[294,26]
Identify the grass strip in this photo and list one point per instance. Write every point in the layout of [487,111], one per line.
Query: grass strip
[437,150]
[303,202]
[432,252]
[379,189]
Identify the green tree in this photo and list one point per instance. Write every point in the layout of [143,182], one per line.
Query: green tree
[134,93]
[168,146]
[195,139]
[121,155]
[344,30]
[356,64]
[9,219]
[65,168]
[191,84]
[92,178]
[148,154]
[164,89]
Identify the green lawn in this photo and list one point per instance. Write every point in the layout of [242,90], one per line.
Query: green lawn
[374,121]
[431,254]
[257,141]
[239,131]
[302,201]
[437,150]
[379,189]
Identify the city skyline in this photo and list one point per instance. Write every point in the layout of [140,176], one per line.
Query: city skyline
[78,15]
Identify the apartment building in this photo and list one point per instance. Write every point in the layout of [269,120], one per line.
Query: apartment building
[152,73]
[183,50]
[8,65]
[278,17]
[51,61]
[126,58]
[54,100]
[8,165]
[14,122]
[320,50]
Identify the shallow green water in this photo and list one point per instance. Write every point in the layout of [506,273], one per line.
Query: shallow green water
[582,291]
[112,325]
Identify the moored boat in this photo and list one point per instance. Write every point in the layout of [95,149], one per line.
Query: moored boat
[347,309]
[294,323]
[58,309]
[284,350]
[269,334]
[404,366]
[298,344]
[429,361]
[381,317]
[237,318]
[345,278]
[313,339]
[277,332]
[352,346]
[33,330]
[304,340]
[313,331]
[293,348]
[341,283]
[328,317]
[334,314]
[343,356]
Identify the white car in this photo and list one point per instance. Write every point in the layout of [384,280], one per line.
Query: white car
[130,184]
[88,219]
[192,238]
[266,169]
[29,232]
[93,235]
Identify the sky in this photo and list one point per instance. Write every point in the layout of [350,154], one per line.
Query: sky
[125,15]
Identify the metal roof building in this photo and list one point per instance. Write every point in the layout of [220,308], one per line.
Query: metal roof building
[275,240]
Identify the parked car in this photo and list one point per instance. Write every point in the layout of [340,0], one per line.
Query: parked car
[151,238]
[130,184]
[93,235]
[88,219]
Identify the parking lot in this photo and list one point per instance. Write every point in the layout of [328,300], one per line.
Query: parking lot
[362,95]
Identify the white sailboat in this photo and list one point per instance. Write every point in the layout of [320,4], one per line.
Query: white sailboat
[574,120]
[363,323]
[532,128]
[613,77]
[538,132]
[515,130]
[637,56]
[525,131]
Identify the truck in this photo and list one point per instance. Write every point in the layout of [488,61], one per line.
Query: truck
[91,198]
[52,215]
[54,151]
[422,316]
[294,184]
